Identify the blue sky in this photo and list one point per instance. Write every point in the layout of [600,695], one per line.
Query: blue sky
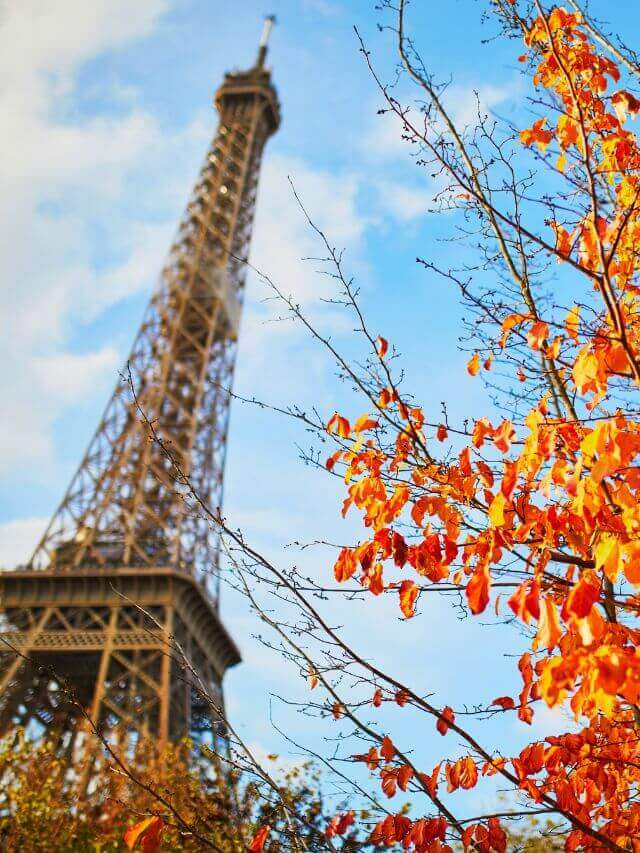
[108,115]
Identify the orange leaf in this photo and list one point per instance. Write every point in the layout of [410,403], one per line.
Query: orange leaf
[441,433]
[371,758]
[473,365]
[147,831]
[363,423]
[331,460]
[586,372]
[478,590]
[430,780]
[549,630]
[338,425]
[339,824]
[462,774]
[509,480]
[377,698]
[503,436]
[537,335]
[382,346]
[345,566]
[536,134]
[623,103]
[583,596]
[409,592]
[481,429]
[509,323]
[525,601]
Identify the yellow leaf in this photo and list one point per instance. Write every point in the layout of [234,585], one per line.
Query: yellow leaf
[496,510]
[365,422]
[607,556]
[571,322]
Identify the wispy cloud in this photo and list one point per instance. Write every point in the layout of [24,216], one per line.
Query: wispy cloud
[18,540]
[60,172]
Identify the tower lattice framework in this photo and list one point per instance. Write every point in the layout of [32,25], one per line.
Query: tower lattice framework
[128,565]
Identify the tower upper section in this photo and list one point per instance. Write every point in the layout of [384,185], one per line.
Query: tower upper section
[131,502]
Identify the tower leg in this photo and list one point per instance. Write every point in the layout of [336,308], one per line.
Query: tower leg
[27,643]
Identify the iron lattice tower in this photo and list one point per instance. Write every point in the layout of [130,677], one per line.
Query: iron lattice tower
[128,563]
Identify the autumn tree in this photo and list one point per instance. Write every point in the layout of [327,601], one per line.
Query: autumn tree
[529,509]
[533,512]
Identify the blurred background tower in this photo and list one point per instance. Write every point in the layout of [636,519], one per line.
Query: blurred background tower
[129,560]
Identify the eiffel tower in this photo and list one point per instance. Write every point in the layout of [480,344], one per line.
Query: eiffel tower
[128,565]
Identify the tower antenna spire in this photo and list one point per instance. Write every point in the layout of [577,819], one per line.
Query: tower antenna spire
[269,21]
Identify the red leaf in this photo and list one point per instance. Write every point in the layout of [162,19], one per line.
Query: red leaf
[405,774]
[401,697]
[505,702]
[525,601]
[583,596]
[147,831]
[257,845]
[339,824]
[387,749]
[389,782]
[446,718]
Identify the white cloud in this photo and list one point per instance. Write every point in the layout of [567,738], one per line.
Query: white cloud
[466,102]
[57,175]
[402,202]
[18,540]
[405,194]
[322,7]
[38,36]
[66,376]
[282,235]
[383,139]
[284,242]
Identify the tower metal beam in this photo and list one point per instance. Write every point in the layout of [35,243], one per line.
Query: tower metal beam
[127,535]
